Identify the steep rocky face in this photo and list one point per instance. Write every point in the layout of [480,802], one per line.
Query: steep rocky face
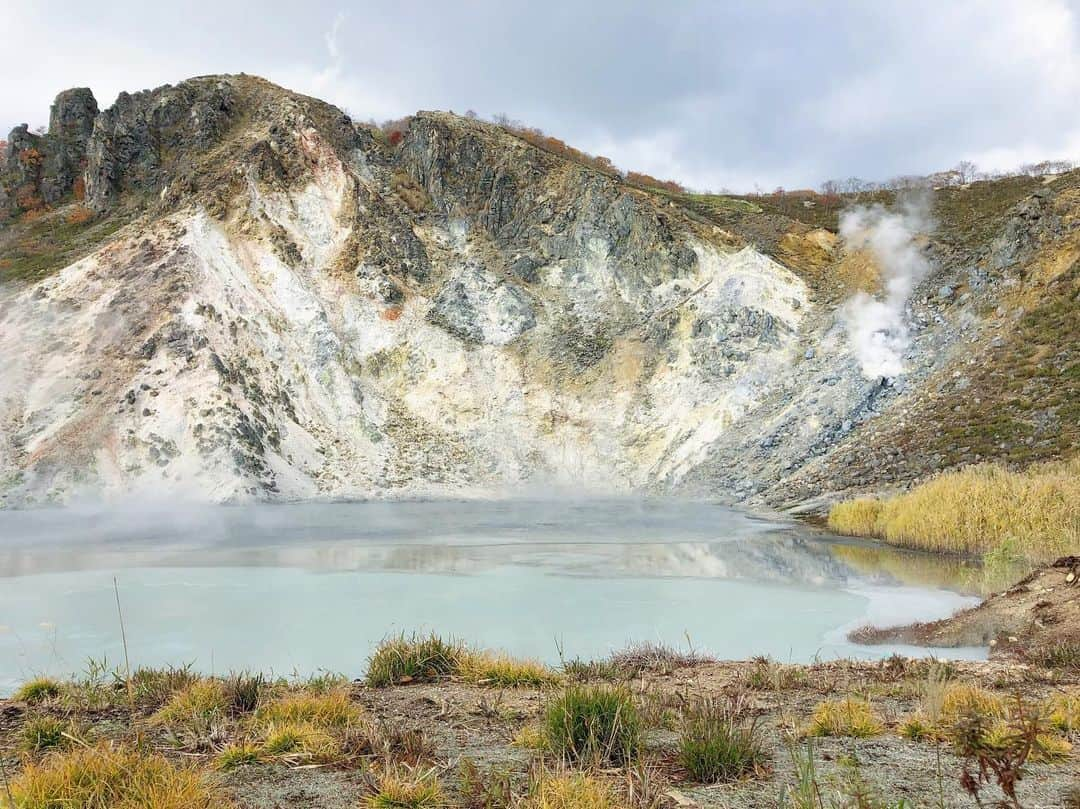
[305,310]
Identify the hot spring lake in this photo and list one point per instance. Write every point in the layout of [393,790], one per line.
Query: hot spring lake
[309,587]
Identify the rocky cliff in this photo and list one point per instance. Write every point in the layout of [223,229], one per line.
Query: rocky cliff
[278,302]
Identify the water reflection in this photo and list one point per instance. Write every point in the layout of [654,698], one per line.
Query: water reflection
[311,587]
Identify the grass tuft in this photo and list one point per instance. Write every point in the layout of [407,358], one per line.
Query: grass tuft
[403,790]
[417,658]
[593,724]
[714,746]
[243,690]
[331,710]
[157,686]
[850,716]
[95,778]
[656,657]
[196,704]
[38,690]
[299,739]
[1063,711]
[237,755]
[45,733]
[569,791]
[490,668]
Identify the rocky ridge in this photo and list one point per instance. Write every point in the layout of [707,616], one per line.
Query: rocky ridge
[302,308]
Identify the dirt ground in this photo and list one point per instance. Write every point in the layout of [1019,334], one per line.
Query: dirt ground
[1028,621]
[463,721]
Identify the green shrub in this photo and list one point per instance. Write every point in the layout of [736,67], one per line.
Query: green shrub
[715,746]
[593,724]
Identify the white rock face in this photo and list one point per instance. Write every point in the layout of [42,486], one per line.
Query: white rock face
[265,379]
[515,322]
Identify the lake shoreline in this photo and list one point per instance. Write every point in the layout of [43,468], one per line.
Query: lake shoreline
[452,720]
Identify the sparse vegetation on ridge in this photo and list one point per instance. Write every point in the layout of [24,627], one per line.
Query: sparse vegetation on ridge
[595,744]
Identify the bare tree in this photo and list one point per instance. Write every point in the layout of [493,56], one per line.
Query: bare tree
[967,170]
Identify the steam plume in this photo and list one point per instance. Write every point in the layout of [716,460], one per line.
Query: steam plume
[877,326]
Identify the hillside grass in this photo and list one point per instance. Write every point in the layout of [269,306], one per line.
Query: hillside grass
[980,509]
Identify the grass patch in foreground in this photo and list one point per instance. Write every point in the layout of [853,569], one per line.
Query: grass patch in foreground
[237,755]
[980,509]
[569,791]
[93,778]
[322,710]
[402,790]
[199,702]
[45,733]
[715,746]
[850,716]
[593,724]
[491,668]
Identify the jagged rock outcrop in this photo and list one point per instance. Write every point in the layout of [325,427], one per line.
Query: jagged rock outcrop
[306,309]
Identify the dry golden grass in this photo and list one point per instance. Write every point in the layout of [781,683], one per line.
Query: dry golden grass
[850,716]
[198,702]
[492,668]
[570,791]
[333,709]
[300,740]
[202,700]
[977,510]
[94,778]
[404,790]
[1063,711]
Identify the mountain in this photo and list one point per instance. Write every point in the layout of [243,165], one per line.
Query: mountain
[228,290]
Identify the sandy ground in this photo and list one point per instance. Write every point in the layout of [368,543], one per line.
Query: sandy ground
[462,721]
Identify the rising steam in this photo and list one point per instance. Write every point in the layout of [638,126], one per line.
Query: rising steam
[877,326]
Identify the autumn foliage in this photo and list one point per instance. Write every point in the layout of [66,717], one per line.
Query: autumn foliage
[647,180]
[80,216]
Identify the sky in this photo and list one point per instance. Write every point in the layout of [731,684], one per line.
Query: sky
[740,95]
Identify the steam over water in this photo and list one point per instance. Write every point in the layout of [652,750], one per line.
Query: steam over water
[308,587]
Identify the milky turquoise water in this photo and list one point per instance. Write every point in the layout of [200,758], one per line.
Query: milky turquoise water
[314,587]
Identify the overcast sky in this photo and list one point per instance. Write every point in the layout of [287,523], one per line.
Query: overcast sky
[714,94]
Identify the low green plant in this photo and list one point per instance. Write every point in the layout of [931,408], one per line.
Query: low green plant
[593,724]
[715,745]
